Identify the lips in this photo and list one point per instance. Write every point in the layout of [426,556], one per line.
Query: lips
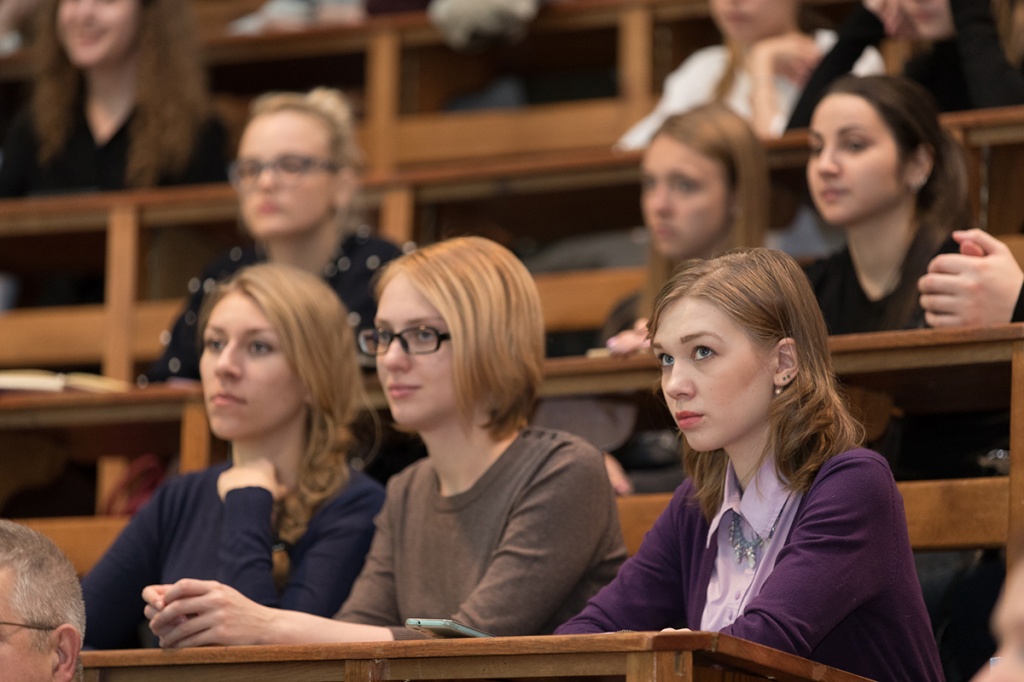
[399,391]
[688,420]
[225,399]
[830,194]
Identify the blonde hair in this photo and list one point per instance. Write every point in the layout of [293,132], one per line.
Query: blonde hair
[715,131]
[171,100]
[317,340]
[767,294]
[330,108]
[492,309]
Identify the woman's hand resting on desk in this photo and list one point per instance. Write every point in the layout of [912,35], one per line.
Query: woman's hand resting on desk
[204,613]
[630,340]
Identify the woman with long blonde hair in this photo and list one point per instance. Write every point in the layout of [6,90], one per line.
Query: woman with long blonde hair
[286,522]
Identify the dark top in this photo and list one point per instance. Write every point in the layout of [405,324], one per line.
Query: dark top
[918,445]
[843,592]
[85,166]
[968,71]
[350,273]
[185,531]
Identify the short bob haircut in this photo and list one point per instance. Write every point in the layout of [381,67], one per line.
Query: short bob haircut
[767,294]
[715,131]
[492,309]
[318,342]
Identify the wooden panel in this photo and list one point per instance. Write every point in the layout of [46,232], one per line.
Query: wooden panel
[432,137]
[957,514]
[583,299]
[83,539]
[637,513]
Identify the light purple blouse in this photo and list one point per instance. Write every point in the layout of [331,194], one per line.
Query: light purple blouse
[766,510]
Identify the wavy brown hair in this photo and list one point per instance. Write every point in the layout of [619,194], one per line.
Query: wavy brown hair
[767,294]
[715,131]
[317,340]
[172,102]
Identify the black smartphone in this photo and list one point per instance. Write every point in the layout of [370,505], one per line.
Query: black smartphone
[444,627]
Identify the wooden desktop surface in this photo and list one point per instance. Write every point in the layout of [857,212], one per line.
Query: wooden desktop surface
[634,657]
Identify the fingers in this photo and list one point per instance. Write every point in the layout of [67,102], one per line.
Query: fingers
[980,240]
[629,341]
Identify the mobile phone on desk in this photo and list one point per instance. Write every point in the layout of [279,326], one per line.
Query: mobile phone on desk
[444,627]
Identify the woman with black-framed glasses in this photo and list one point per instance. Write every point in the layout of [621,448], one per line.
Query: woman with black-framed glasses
[503,527]
[296,175]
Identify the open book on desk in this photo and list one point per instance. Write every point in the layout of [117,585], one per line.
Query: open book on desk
[45,380]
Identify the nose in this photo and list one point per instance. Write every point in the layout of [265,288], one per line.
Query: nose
[228,365]
[658,199]
[395,357]
[825,162]
[267,177]
[677,384]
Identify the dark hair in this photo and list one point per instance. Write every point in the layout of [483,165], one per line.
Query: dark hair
[910,113]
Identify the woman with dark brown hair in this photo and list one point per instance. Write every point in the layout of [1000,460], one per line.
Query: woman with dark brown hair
[120,101]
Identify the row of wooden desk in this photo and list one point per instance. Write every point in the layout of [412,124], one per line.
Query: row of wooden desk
[629,656]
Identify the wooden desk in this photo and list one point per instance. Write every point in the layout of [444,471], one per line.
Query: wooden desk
[110,418]
[634,657]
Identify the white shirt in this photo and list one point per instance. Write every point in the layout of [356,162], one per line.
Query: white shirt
[694,82]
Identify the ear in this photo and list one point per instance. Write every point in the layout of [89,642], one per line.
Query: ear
[786,365]
[67,643]
[918,168]
[345,186]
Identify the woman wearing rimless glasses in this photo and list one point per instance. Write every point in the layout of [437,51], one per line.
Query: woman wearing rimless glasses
[505,528]
[298,192]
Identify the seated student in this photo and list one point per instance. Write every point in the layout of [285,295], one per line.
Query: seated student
[704,190]
[503,527]
[758,71]
[287,522]
[296,177]
[42,618]
[965,68]
[119,101]
[786,533]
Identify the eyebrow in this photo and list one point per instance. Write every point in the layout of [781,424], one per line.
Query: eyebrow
[689,338]
[245,332]
[416,322]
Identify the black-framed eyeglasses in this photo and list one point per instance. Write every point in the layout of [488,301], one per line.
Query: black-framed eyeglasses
[287,168]
[30,626]
[420,340]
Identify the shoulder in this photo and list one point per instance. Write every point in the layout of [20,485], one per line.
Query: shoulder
[364,243]
[705,66]
[854,476]
[188,491]
[827,268]
[228,263]
[825,39]
[553,448]
[361,488]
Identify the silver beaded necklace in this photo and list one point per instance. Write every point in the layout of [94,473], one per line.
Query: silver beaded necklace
[746,550]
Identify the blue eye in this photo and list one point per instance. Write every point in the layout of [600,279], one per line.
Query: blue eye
[702,353]
[260,347]
[665,360]
[684,185]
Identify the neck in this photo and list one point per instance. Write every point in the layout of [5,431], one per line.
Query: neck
[310,252]
[461,455]
[746,457]
[110,97]
[879,247]
[284,450]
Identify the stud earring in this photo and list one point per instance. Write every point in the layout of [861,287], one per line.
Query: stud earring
[778,390]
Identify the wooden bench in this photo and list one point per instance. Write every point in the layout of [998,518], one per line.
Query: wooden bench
[941,515]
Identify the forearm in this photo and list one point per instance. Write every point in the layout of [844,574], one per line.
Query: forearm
[295,627]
